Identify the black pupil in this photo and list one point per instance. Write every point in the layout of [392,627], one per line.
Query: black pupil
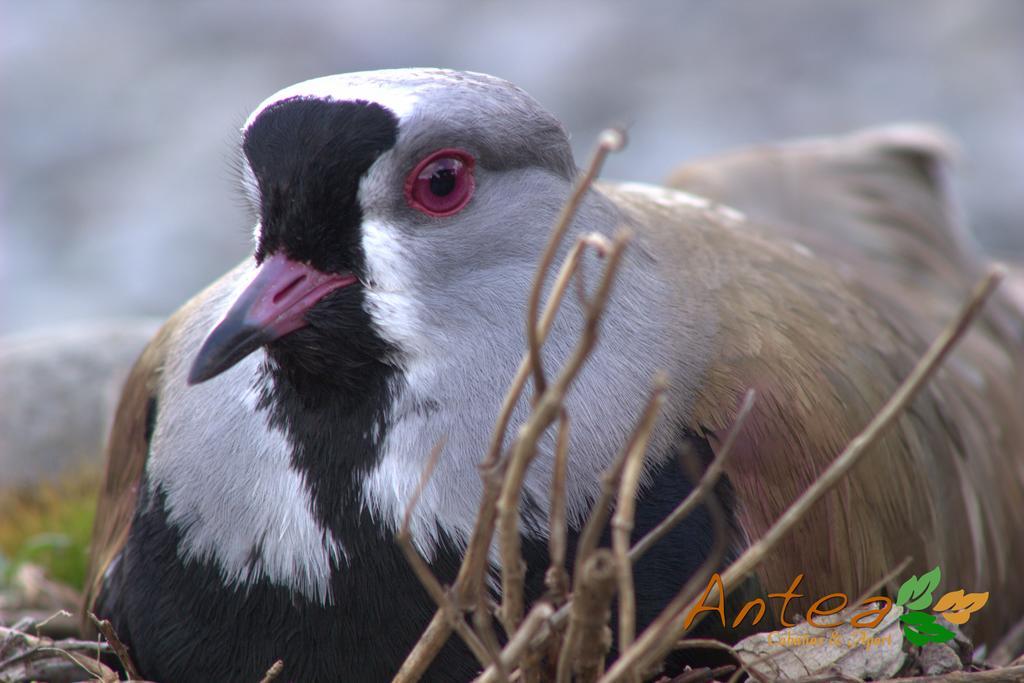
[442,182]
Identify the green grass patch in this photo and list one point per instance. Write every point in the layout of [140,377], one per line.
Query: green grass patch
[49,525]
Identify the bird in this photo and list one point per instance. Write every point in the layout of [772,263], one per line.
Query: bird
[269,439]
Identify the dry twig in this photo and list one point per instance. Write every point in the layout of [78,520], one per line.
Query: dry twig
[516,648]
[422,654]
[705,487]
[588,638]
[1013,674]
[569,267]
[873,589]
[544,413]
[710,644]
[27,657]
[556,579]
[704,674]
[609,141]
[120,649]
[427,578]
[600,510]
[622,522]
[662,625]
[1009,647]
[273,672]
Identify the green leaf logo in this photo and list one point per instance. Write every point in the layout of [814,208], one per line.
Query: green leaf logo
[916,592]
[920,627]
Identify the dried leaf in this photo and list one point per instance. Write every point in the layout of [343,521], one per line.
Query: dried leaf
[805,650]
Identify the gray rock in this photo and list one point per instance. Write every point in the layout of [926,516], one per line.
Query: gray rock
[58,390]
[939,658]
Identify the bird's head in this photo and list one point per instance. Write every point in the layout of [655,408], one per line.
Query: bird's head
[385,200]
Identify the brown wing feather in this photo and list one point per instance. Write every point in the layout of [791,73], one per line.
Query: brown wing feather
[827,336]
[127,449]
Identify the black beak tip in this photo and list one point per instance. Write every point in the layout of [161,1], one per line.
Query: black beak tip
[200,372]
[229,343]
[207,365]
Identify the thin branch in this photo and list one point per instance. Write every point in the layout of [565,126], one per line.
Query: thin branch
[873,589]
[652,644]
[693,585]
[430,643]
[600,510]
[609,141]
[440,597]
[42,665]
[545,411]
[426,576]
[513,568]
[622,522]
[273,672]
[469,583]
[518,644]
[1009,647]
[59,614]
[586,546]
[30,642]
[711,644]
[515,389]
[704,674]
[474,566]
[484,626]
[557,579]
[706,485]
[120,649]
[412,556]
[661,627]
[588,638]
[425,475]
[29,657]
[1013,674]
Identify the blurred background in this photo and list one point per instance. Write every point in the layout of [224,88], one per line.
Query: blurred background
[120,119]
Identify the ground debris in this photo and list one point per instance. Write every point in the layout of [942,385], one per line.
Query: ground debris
[26,657]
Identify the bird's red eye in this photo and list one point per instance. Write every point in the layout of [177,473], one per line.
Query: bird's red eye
[442,183]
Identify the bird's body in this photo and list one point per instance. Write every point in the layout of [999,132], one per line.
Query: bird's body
[258,473]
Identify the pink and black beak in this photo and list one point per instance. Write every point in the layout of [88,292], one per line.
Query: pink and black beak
[274,304]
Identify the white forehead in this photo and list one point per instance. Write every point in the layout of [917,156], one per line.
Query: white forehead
[400,90]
